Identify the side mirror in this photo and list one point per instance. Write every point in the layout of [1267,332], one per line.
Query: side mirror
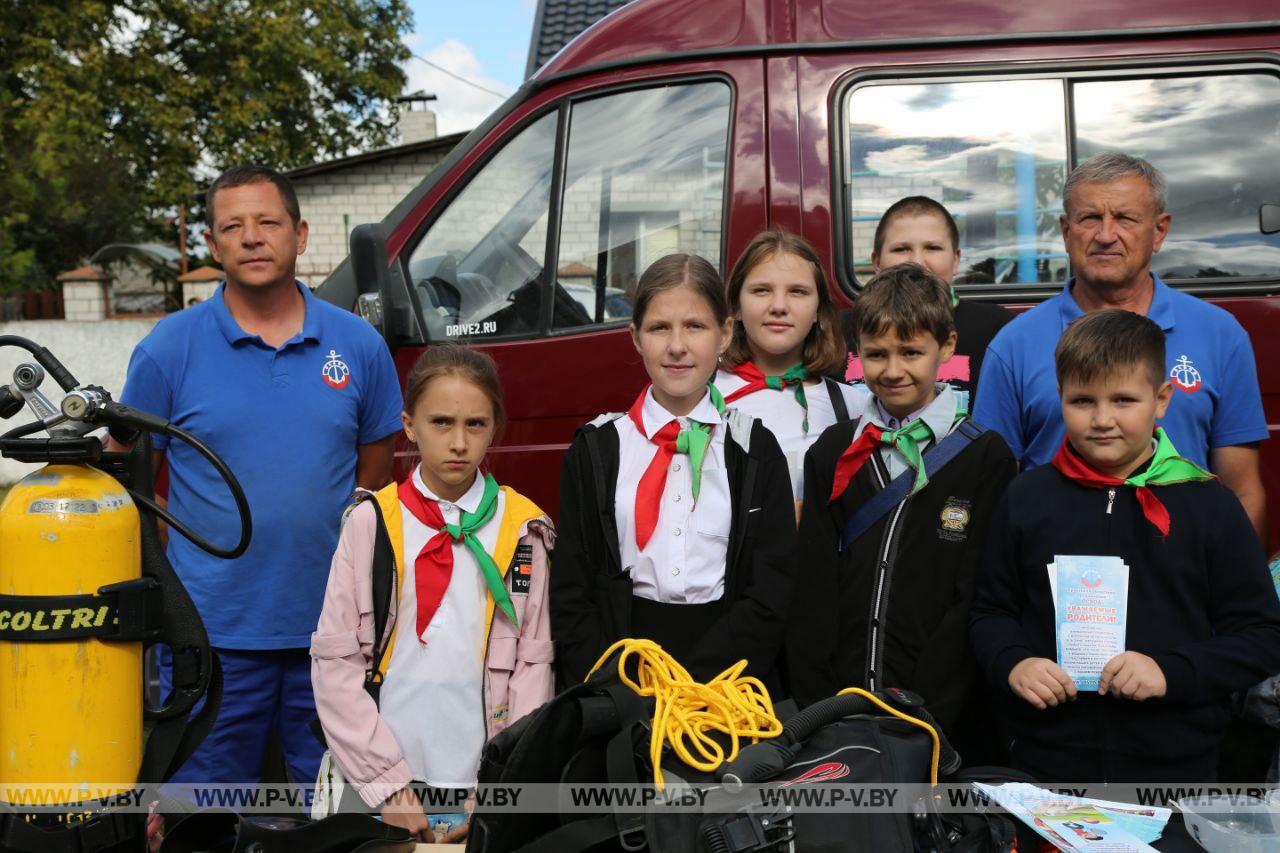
[1269,218]
[385,306]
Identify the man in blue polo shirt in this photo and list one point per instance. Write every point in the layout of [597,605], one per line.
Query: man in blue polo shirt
[302,401]
[1115,219]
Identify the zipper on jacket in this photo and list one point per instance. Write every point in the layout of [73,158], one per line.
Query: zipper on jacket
[1111,499]
[884,572]
[888,552]
[484,677]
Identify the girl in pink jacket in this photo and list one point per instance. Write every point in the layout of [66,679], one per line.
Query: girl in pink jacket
[469,641]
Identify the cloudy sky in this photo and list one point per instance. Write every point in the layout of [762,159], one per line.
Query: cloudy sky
[485,42]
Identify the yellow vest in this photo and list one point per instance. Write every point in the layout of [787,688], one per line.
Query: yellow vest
[518,511]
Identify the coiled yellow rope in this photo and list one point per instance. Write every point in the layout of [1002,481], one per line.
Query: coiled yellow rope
[685,711]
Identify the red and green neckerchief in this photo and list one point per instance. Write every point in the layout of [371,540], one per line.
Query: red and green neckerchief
[670,440]
[433,566]
[907,440]
[1167,468]
[757,381]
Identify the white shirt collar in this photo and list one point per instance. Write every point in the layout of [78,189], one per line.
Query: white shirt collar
[940,414]
[469,502]
[655,416]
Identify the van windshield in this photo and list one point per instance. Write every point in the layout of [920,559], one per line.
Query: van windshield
[478,268]
[644,176]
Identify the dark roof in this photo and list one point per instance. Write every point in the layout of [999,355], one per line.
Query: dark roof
[557,22]
[444,144]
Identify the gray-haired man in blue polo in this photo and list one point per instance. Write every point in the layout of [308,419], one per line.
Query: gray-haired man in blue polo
[1115,219]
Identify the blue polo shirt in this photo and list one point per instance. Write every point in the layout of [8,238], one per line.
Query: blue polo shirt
[287,423]
[1216,402]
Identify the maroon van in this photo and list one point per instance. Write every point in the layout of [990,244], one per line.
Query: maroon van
[689,125]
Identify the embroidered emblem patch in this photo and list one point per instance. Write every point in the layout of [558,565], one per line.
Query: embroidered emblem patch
[335,371]
[955,520]
[1185,376]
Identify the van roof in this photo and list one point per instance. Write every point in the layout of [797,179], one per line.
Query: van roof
[649,30]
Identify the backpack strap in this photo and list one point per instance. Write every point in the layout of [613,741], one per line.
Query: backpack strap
[386,588]
[740,426]
[935,459]
[603,494]
[838,403]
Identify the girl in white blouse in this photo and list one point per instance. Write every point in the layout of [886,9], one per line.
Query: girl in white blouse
[676,516]
[787,345]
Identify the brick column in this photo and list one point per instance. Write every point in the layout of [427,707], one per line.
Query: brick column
[86,294]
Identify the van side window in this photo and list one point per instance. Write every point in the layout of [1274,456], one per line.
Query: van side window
[645,177]
[1217,140]
[478,269]
[995,153]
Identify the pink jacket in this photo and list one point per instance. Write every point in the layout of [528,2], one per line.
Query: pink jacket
[518,676]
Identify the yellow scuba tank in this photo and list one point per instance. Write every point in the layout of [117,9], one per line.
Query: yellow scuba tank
[84,586]
[71,710]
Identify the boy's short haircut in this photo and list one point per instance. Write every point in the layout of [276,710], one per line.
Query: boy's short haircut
[1103,342]
[915,205]
[907,298]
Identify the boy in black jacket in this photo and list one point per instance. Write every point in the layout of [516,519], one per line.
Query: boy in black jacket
[891,608]
[1203,620]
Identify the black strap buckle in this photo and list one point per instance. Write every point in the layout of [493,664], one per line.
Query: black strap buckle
[139,609]
[633,838]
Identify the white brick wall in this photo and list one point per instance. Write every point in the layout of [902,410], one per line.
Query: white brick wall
[96,352]
[201,290]
[364,192]
[83,300]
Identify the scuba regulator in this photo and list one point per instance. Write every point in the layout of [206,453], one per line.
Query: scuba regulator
[85,587]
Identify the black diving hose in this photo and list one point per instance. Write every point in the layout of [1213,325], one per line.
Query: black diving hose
[113,413]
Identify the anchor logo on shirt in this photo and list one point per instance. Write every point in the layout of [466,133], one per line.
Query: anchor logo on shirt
[335,371]
[1185,375]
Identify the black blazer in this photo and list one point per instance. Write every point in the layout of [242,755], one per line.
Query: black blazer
[910,576]
[591,596]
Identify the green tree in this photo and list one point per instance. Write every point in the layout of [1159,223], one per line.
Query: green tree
[112,113]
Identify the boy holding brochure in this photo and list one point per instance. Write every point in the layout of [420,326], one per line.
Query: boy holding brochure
[1124,595]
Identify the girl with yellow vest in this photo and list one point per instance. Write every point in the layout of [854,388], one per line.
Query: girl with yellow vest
[469,641]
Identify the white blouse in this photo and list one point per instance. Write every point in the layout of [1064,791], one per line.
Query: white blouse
[684,560]
[782,415]
[433,696]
